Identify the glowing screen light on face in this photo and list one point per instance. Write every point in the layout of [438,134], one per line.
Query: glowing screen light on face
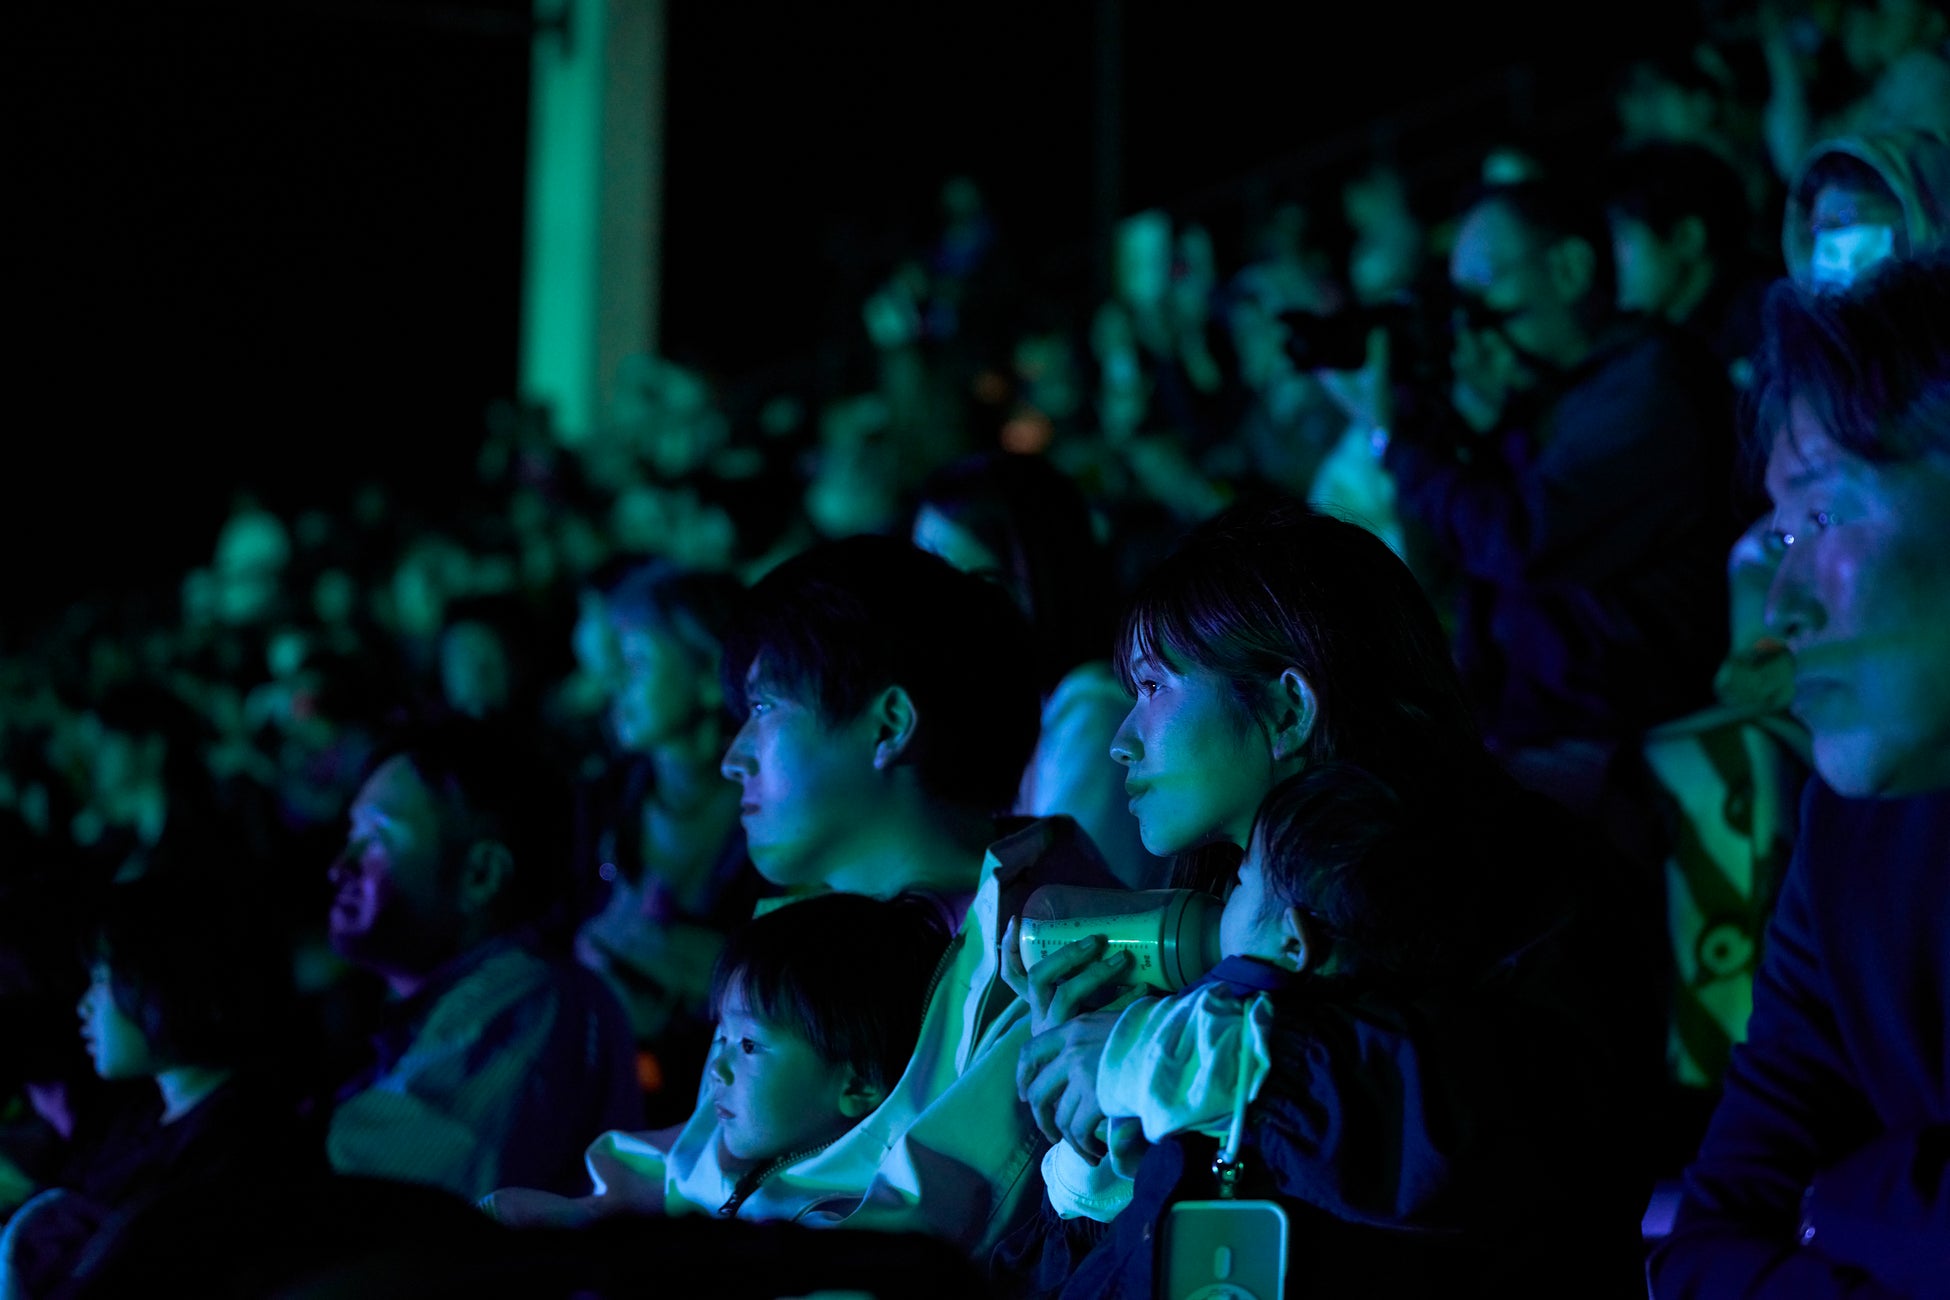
[1843,254]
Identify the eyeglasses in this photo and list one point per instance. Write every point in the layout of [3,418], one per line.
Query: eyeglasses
[1474,313]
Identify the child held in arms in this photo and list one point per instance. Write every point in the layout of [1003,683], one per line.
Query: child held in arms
[1344,899]
[818,1003]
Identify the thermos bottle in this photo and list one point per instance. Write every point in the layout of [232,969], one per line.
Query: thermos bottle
[1171,934]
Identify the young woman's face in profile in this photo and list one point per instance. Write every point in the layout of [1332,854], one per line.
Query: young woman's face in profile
[1196,766]
[114,1042]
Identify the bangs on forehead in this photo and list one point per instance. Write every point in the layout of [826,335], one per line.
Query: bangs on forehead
[1152,633]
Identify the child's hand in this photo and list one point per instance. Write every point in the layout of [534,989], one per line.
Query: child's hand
[1065,983]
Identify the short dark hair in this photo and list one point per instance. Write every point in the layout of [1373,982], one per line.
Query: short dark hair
[847,972]
[845,620]
[1346,848]
[1037,522]
[194,965]
[1662,184]
[1557,209]
[1873,363]
[1272,584]
[490,783]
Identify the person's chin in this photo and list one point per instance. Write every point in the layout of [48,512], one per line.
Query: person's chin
[1856,764]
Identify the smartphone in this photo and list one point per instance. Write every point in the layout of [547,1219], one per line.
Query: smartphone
[1224,1250]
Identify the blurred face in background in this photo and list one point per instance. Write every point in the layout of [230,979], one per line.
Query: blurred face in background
[1653,270]
[1852,230]
[393,907]
[476,674]
[1519,290]
[662,685]
[115,1043]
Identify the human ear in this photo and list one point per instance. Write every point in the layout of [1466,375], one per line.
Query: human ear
[895,720]
[1302,945]
[1572,265]
[858,1097]
[489,868]
[1293,711]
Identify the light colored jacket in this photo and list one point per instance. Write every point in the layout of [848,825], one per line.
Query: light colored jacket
[952,1151]
[1171,1065]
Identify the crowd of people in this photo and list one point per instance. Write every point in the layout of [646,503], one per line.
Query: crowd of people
[1522,612]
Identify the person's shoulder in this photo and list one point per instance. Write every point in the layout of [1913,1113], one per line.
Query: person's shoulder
[499,975]
[1837,831]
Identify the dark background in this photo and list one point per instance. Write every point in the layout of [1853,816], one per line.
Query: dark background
[277,246]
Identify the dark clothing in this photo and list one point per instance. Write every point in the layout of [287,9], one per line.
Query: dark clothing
[1475,1132]
[498,1072]
[673,1035]
[1591,536]
[1727,320]
[242,1140]
[1842,1091]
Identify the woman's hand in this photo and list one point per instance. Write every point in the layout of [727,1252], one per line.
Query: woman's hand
[1057,1075]
[1064,983]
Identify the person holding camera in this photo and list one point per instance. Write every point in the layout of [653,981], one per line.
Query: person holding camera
[1579,477]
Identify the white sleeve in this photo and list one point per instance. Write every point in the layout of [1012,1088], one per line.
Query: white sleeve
[1173,1064]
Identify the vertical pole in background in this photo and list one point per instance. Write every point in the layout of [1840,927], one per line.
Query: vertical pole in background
[1108,198]
[591,241]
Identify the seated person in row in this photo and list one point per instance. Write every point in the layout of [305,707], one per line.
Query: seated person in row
[1272,643]
[500,1057]
[185,989]
[1826,1168]
[890,705]
[818,1003]
[667,838]
[1345,898]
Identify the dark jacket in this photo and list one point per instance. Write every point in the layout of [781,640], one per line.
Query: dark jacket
[1836,1113]
[1591,535]
[1472,1133]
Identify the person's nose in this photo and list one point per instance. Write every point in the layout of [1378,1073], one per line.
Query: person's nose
[341,868]
[1793,609]
[740,761]
[721,1066]
[1125,746]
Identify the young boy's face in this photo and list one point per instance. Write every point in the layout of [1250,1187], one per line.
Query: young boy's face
[773,1094]
[809,786]
[115,1043]
[1252,923]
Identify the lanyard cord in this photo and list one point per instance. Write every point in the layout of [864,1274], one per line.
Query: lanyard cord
[1225,1165]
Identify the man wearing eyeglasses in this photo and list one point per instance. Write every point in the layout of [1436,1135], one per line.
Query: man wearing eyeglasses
[1578,476]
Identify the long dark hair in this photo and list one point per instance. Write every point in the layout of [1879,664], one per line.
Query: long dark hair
[1272,584]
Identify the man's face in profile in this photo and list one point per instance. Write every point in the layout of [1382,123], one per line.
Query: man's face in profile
[1501,274]
[809,785]
[393,906]
[1862,599]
